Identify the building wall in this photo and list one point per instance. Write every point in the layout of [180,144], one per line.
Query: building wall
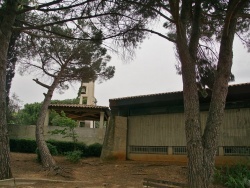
[120,138]
[169,129]
[159,137]
[235,129]
[86,135]
[115,142]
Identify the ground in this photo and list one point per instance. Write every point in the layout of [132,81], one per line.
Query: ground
[91,172]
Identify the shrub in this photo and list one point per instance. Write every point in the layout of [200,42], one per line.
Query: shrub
[236,176]
[94,150]
[23,145]
[63,147]
[74,156]
[29,146]
[52,149]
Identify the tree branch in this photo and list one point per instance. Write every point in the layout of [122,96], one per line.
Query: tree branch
[244,15]
[67,20]
[232,11]
[210,49]
[159,34]
[64,8]
[154,9]
[41,84]
[195,33]
[28,8]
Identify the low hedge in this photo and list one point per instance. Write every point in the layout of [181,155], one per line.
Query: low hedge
[63,147]
[29,146]
[94,150]
[23,145]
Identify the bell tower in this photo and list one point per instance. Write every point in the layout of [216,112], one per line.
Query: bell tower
[87,97]
[87,93]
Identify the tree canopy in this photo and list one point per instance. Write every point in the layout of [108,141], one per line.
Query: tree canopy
[203,33]
[28,115]
[65,60]
[201,30]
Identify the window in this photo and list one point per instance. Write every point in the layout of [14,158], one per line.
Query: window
[84,89]
[149,149]
[179,150]
[236,150]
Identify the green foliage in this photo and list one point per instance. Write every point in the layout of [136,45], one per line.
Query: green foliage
[74,156]
[63,121]
[76,60]
[29,146]
[63,147]
[23,145]
[29,114]
[52,149]
[68,124]
[66,101]
[236,176]
[94,150]
[12,109]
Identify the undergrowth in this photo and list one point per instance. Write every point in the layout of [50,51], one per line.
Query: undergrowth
[73,156]
[235,176]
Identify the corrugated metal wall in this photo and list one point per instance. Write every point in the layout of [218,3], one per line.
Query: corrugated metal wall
[168,129]
[156,130]
[235,130]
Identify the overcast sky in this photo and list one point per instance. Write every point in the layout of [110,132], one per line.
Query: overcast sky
[151,71]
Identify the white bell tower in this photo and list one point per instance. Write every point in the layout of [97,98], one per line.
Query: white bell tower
[87,93]
[87,97]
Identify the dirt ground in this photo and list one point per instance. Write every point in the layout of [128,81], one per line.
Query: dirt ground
[91,172]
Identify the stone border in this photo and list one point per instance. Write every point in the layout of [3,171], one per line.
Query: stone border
[24,181]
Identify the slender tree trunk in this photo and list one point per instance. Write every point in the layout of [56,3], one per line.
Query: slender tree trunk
[202,149]
[192,119]
[5,34]
[47,160]
[187,55]
[220,90]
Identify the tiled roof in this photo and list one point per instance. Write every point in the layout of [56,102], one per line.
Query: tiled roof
[79,106]
[175,92]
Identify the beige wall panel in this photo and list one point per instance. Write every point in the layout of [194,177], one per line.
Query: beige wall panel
[156,130]
[169,129]
[86,135]
[120,138]
[235,128]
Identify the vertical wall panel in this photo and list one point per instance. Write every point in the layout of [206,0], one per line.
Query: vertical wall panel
[169,129]
[156,130]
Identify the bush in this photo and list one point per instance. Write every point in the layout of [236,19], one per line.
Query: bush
[23,145]
[94,150]
[52,149]
[63,147]
[29,146]
[74,156]
[236,176]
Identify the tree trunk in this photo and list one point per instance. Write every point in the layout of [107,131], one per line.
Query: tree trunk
[5,34]
[202,149]
[192,119]
[48,161]
[220,90]
[187,55]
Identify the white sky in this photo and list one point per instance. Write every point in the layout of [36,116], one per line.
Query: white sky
[151,71]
